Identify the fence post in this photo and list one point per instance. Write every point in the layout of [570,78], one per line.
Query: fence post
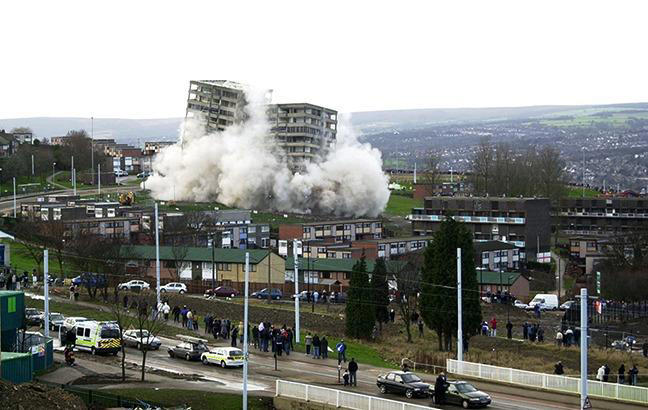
[277,388]
[306,392]
[370,398]
[337,399]
[544,381]
[479,370]
[616,391]
[510,375]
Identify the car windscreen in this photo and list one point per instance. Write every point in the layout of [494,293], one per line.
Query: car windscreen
[466,388]
[109,333]
[235,353]
[56,317]
[411,378]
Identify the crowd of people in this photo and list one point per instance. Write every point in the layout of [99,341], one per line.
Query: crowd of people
[603,373]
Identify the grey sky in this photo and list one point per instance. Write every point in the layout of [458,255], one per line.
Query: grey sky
[134,59]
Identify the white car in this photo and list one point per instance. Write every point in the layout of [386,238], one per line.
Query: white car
[135,338]
[71,322]
[134,284]
[223,356]
[174,287]
[120,173]
[520,304]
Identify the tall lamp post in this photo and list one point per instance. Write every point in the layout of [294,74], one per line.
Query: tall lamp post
[53,165]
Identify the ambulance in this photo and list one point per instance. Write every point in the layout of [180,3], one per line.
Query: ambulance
[98,337]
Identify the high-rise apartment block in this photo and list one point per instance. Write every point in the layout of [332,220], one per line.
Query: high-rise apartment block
[220,102]
[305,131]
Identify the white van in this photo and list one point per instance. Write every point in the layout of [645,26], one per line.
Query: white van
[547,301]
[98,337]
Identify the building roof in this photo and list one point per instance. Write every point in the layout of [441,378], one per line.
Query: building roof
[342,221]
[223,83]
[406,239]
[486,277]
[334,265]
[195,254]
[487,246]
[484,198]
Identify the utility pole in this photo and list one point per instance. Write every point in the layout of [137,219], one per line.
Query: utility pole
[415,173]
[459,321]
[296,256]
[583,149]
[583,347]
[92,147]
[213,246]
[14,198]
[46,289]
[245,332]
[99,178]
[32,157]
[73,176]
[157,253]
[269,300]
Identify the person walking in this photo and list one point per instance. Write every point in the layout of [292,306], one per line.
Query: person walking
[324,347]
[341,350]
[559,369]
[621,374]
[309,343]
[633,375]
[509,330]
[353,369]
[316,347]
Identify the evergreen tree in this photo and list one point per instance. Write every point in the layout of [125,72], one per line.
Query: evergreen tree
[380,292]
[360,317]
[438,304]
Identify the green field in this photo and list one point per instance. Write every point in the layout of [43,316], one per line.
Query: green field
[576,192]
[196,399]
[586,119]
[400,205]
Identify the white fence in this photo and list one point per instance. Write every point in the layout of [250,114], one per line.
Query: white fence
[554,382]
[340,398]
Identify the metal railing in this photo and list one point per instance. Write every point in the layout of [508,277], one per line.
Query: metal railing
[340,398]
[552,382]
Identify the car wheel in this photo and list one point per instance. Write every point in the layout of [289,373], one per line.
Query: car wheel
[187,357]
[383,389]
[409,393]
[232,295]
[259,297]
[171,353]
[465,404]
[277,298]
[93,351]
[182,291]
[205,361]
[223,365]
[162,290]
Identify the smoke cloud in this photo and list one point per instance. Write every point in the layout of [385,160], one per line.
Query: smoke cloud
[243,167]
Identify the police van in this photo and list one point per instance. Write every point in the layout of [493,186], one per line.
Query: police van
[98,337]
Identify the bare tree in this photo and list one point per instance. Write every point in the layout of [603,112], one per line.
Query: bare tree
[407,273]
[482,164]
[124,320]
[148,325]
[432,175]
[180,263]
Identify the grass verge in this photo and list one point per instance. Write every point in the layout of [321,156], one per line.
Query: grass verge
[197,400]
[402,205]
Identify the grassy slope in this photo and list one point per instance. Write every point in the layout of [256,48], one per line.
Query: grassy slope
[401,205]
[197,400]
[576,192]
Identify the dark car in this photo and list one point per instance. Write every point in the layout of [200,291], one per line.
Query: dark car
[465,395]
[189,349]
[406,383]
[263,294]
[33,317]
[222,292]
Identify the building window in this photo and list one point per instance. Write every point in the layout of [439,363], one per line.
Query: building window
[224,266]
[326,275]
[347,275]
[253,267]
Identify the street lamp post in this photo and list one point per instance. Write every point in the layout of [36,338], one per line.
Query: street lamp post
[53,165]
[583,149]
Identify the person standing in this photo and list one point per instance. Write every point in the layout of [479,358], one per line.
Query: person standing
[324,347]
[606,373]
[559,369]
[316,347]
[493,325]
[190,317]
[234,336]
[353,369]
[72,292]
[559,338]
[440,386]
[392,315]
[166,309]
[420,327]
[633,375]
[600,373]
[341,349]
[255,336]
[509,330]
[540,334]
[525,331]
[621,374]
[309,343]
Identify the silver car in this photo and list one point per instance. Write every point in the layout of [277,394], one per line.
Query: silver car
[139,339]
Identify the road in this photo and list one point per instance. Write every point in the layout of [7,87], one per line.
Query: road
[298,368]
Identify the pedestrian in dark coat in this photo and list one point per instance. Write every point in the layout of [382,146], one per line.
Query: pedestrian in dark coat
[440,387]
[125,301]
[353,369]
[606,373]
[633,375]
[255,336]
[316,347]
[621,376]
[234,336]
[324,347]
[525,331]
[509,330]
[392,315]
[176,313]
[559,369]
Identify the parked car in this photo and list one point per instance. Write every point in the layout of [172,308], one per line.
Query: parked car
[224,357]
[55,321]
[139,339]
[303,295]
[222,292]
[144,174]
[174,287]
[263,294]
[567,305]
[190,348]
[120,173]
[519,304]
[33,317]
[71,322]
[406,383]
[134,285]
[465,395]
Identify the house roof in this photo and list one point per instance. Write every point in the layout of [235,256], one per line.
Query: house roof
[336,264]
[487,246]
[195,254]
[486,277]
